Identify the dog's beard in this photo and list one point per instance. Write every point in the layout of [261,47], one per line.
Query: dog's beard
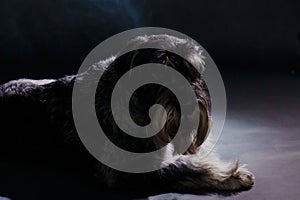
[195,137]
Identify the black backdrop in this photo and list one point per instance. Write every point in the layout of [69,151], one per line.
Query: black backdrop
[50,38]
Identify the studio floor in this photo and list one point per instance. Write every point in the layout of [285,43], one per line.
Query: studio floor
[262,129]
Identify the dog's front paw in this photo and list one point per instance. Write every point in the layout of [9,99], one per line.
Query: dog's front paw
[244,176]
[240,178]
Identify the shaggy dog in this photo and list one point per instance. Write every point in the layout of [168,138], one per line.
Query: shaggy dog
[38,114]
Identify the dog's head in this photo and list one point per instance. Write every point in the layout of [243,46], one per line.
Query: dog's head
[147,95]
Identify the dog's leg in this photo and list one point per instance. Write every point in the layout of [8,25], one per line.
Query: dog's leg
[189,172]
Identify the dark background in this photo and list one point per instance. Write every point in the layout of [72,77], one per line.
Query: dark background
[49,39]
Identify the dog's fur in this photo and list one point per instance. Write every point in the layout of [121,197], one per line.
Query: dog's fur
[39,116]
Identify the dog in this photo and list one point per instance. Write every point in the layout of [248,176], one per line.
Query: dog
[38,114]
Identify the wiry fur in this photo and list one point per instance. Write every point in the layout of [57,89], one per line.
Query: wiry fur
[49,101]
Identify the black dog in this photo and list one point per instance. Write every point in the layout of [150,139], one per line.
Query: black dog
[39,121]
